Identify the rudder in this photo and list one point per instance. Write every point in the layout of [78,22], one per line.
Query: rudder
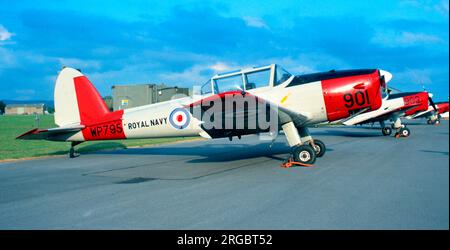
[76,99]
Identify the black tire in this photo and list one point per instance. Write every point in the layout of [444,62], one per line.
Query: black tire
[437,122]
[405,132]
[319,148]
[429,122]
[304,154]
[386,131]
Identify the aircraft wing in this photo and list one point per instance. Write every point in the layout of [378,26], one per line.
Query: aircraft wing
[379,114]
[38,134]
[422,114]
[245,112]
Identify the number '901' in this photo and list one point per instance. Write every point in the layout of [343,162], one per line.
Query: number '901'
[359,98]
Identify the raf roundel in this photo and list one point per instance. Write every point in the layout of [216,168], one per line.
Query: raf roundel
[179,118]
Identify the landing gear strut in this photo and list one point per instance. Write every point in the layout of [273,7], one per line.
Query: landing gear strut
[72,153]
[401,129]
[434,122]
[319,147]
[305,149]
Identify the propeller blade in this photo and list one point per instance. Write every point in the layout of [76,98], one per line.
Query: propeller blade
[432,103]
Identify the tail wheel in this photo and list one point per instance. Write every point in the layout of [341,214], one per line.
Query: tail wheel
[71,153]
[386,131]
[319,148]
[405,132]
[304,154]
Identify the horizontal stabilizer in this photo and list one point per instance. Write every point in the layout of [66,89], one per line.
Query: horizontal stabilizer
[37,134]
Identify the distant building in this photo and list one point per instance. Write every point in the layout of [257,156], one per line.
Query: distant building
[129,96]
[25,109]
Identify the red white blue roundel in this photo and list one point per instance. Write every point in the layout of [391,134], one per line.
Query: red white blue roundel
[179,118]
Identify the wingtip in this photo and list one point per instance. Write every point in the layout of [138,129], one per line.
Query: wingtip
[22,136]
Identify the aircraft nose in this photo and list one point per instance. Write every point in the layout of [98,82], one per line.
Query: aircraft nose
[386,74]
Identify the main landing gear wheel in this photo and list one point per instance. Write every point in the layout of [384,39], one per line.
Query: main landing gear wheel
[319,148]
[404,132]
[386,131]
[304,154]
[429,122]
[437,122]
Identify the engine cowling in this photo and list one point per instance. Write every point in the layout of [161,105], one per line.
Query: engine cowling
[352,92]
[415,103]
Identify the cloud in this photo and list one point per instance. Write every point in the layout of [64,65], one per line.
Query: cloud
[442,7]
[188,44]
[391,38]
[428,5]
[220,66]
[193,76]
[7,59]
[4,33]
[24,94]
[79,63]
[414,77]
[254,22]
[414,38]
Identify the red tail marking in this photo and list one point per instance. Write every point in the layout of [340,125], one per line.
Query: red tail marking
[101,124]
[90,104]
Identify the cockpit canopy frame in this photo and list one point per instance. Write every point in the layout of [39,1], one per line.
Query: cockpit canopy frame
[246,79]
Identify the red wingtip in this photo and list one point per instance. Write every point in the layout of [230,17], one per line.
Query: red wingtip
[33,131]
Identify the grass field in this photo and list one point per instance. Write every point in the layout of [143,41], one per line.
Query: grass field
[12,126]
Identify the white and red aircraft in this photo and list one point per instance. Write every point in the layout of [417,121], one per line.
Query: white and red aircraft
[393,108]
[297,102]
[433,113]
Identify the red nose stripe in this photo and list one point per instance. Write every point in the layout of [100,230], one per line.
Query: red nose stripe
[345,94]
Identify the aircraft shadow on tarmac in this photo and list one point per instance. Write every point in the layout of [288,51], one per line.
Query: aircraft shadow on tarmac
[242,156]
[346,133]
[435,152]
[210,152]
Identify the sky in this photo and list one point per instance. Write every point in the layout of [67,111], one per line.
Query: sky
[184,43]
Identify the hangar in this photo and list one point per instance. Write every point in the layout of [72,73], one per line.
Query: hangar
[134,95]
[24,109]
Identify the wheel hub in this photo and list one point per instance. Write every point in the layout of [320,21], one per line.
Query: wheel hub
[304,156]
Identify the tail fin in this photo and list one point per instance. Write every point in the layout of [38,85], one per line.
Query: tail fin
[76,99]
